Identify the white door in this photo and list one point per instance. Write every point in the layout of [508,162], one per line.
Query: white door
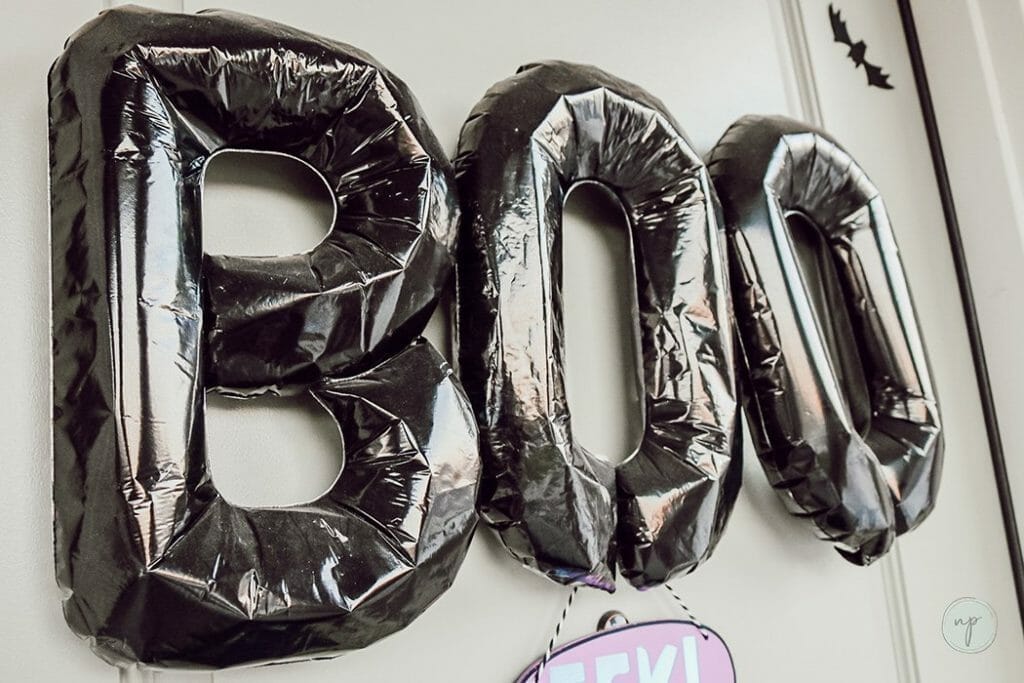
[789,607]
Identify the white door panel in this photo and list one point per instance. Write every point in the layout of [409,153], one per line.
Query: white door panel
[979,102]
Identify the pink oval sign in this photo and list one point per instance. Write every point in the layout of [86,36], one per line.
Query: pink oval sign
[650,652]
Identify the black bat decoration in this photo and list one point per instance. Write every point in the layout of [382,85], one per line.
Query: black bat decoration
[857,50]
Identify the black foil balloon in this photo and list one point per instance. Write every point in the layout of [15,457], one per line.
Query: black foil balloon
[156,567]
[558,508]
[841,404]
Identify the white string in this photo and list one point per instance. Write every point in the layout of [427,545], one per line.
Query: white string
[554,637]
[549,651]
[689,615]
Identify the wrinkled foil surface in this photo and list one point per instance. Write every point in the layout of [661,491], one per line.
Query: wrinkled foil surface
[156,567]
[842,408]
[559,509]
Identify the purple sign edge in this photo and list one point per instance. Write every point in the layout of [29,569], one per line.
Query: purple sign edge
[531,669]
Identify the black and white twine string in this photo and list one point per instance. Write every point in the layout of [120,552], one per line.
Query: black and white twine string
[554,637]
[565,613]
[689,615]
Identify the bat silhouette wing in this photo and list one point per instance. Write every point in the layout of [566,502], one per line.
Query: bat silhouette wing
[839,30]
[876,77]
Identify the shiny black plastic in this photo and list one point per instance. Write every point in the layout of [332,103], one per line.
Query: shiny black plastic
[558,508]
[156,567]
[842,409]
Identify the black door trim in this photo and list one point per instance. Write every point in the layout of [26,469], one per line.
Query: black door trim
[967,298]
